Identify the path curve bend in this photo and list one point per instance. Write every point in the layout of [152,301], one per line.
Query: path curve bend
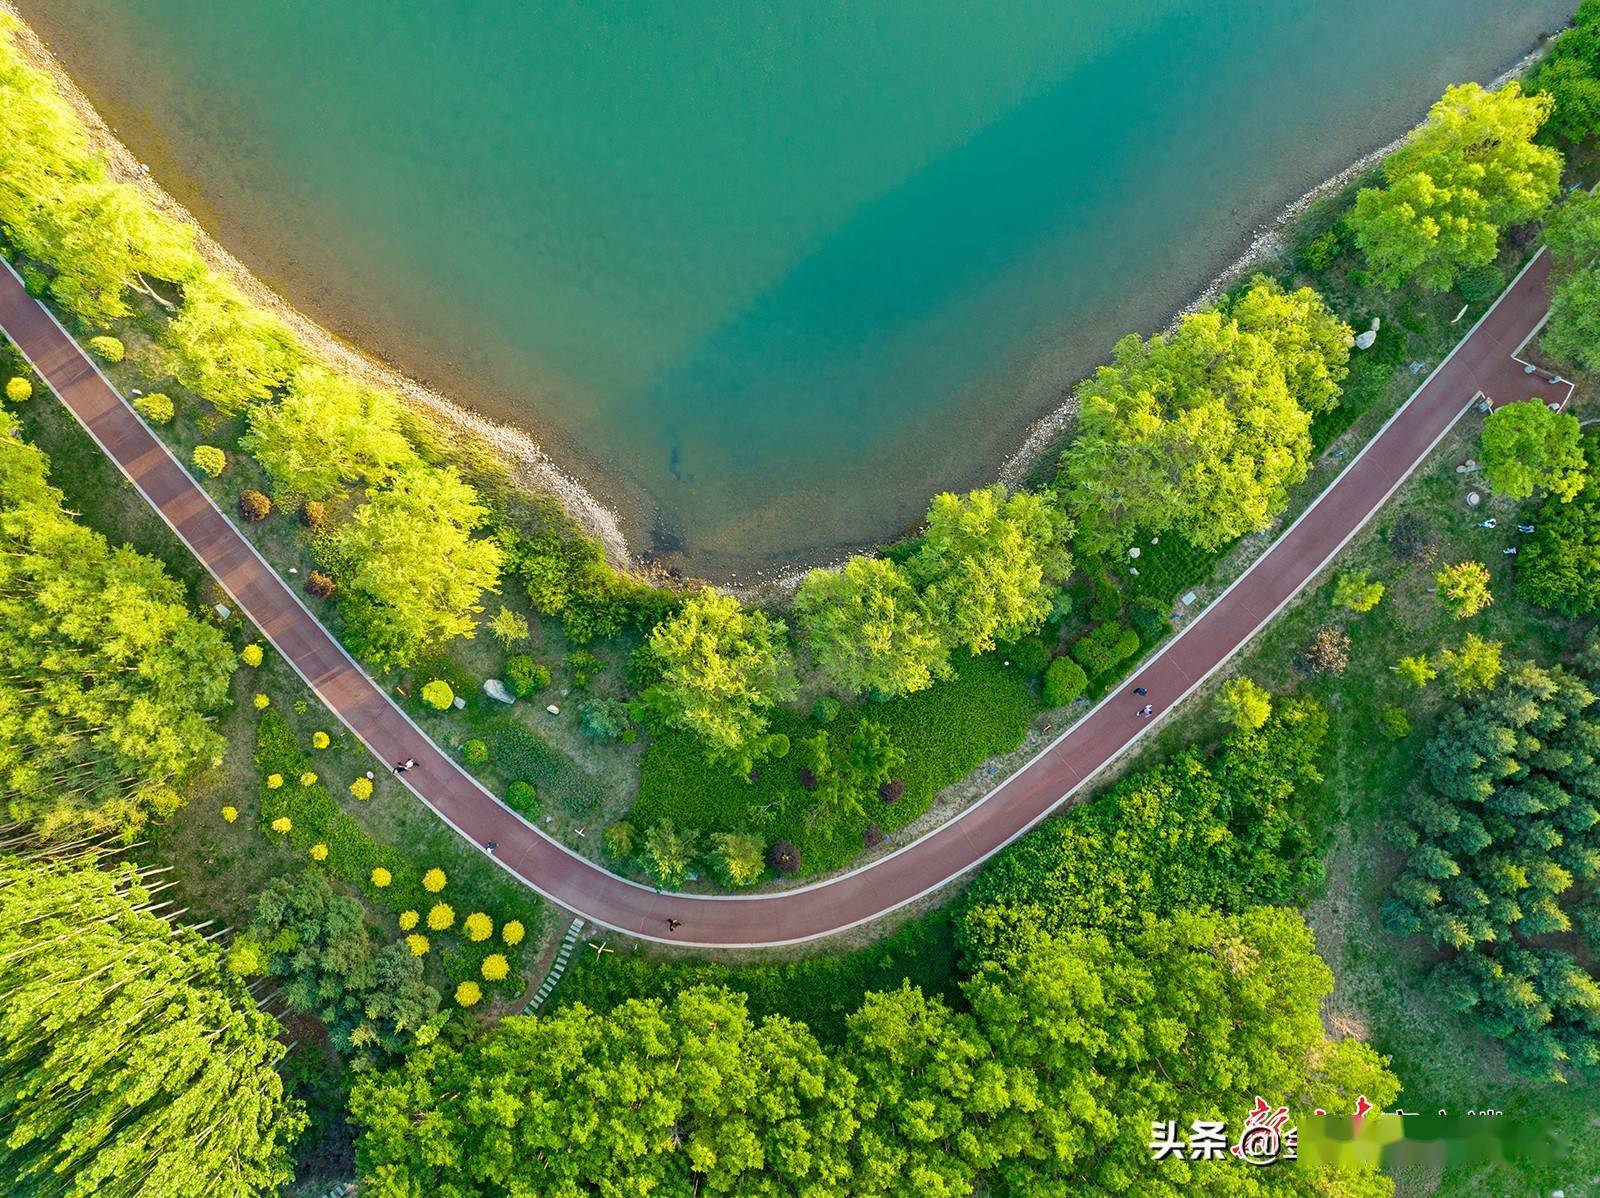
[1484,362]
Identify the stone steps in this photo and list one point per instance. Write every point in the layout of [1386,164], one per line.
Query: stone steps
[560,965]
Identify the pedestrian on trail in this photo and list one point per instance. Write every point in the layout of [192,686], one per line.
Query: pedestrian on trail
[674,924]
[489,846]
[410,763]
[1146,710]
[1140,691]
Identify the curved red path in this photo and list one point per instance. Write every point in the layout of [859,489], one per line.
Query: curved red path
[1482,362]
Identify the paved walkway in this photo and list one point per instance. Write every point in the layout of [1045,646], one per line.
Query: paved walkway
[1482,363]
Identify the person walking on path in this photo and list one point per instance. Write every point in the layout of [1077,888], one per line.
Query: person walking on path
[1146,710]
[1140,691]
[674,924]
[410,763]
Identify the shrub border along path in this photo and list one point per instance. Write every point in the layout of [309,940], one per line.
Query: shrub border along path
[1482,363]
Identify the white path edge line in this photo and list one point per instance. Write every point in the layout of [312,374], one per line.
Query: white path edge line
[955,820]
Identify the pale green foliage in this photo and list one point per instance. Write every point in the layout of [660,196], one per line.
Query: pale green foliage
[438,695]
[737,857]
[1356,591]
[719,669]
[508,628]
[1573,332]
[1475,666]
[108,349]
[1528,448]
[1464,588]
[989,564]
[329,431]
[128,1054]
[209,460]
[155,407]
[410,571]
[1244,703]
[1203,431]
[18,389]
[668,854]
[1467,173]
[59,204]
[107,683]
[225,348]
[1572,231]
[868,628]
[1417,670]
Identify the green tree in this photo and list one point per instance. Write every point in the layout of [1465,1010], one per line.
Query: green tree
[1572,232]
[691,1096]
[226,349]
[1468,172]
[989,564]
[1528,448]
[1416,669]
[868,628]
[1559,565]
[719,669]
[1475,666]
[1244,704]
[1202,431]
[1573,332]
[107,683]
[1568,75]
[668,854]
[739,858]
[327,432]
[410,570]
[131,1061]
[1464,588]
[1353,589]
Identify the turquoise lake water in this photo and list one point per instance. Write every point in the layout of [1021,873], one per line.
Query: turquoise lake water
[764,275]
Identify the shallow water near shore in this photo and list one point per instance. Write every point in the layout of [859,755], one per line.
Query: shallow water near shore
[764,276]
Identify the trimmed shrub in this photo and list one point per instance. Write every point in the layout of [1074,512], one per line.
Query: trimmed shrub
[468,994]
[1105,648]
[603,718]
[434,880]
[478,926]
[418,944]
[361,788]
[230,814]
[319,584]
[261,702]
[784,857]
[314,514]
[474,752]
[252,655]
[157,407]
[320,739]
[254,506]
[1393,723]
[441,916]
[108,348]
[523,798]
[891,790]
[495,968]
[319,852]
[283,825]
[524,676]
[18,389]
[1064,681]
[512,932]
[409,919]
[826,709]
[381,877]
[209,460]
[1479,283]
[438,695]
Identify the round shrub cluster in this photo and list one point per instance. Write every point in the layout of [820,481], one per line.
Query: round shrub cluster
[468,994]
[108,348]
[381,878]
[784,857]
[319,852]
[319,584]
[1064,681]
[512,931]
[523,797]
[308,779]
[418,944]
[252,655]
[361,788]
[478,926]
[274,781]
[260,702]
[409,920]
[254,506]
[438,695]
[826,709]
[209,460]
[320,739]
[229,814]
[475,752]
[157,407]
[18,389]
[440,917]
[891,790]
[314,514]
[433,881]
[495,968]
[524,676]
[283,825]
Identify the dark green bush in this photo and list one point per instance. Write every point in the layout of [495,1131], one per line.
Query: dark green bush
[1105,648]
[1477,284]
[602,718]
[583,666]
[1393,723]
[826,709]
[524,676]
[1030,655]
[1064,681]
[475,752]
[1106,600]
[1319,253]
[1150,619]
[523,798]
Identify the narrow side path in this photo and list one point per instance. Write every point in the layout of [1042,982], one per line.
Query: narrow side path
[1481,363]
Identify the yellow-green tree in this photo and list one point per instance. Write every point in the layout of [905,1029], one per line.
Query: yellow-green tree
[869,629]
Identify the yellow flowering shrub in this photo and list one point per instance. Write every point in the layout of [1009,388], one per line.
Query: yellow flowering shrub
[260,702]
[230,814]
[418,944]
[283,824]
[361,788]
[319,852]
[251,655]
[478,926]
[308,779]
[274,781]
[433,881]
[408,920]
[512,931]
[468,994]
[320,740]
[495,968]
[381,877]
[441,916]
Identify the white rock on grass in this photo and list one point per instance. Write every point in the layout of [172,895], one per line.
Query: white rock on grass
[497,691]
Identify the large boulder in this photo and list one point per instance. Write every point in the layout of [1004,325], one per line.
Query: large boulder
[498,691]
